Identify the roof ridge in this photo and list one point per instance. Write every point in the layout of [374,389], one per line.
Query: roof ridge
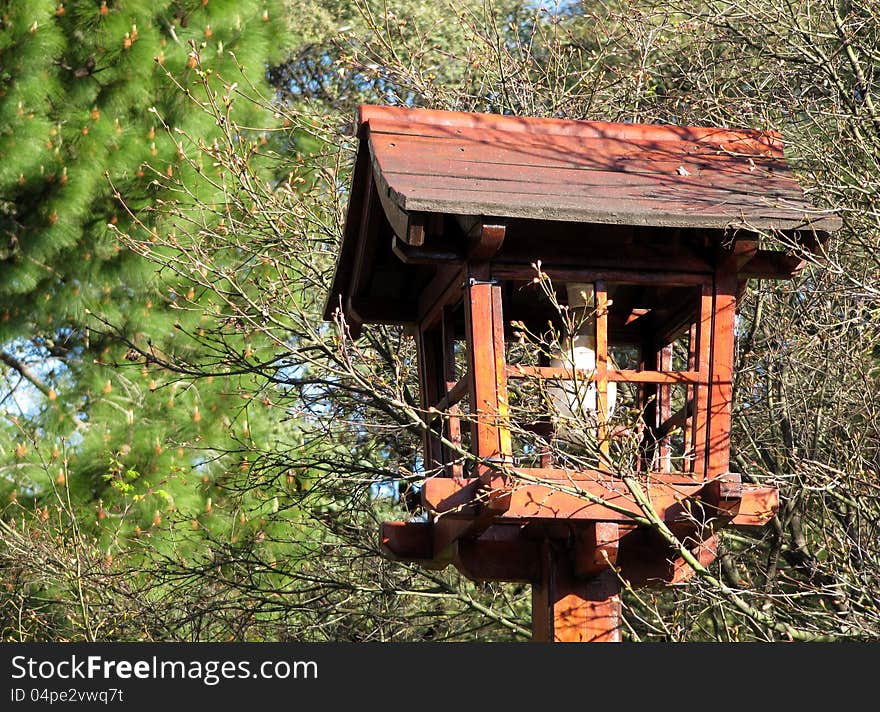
[567,127]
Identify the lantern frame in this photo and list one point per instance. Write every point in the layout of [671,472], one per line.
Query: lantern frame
[444,234]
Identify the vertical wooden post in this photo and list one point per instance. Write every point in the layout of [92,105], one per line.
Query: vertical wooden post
[505,445]
[721,385]
[566,609]
[430,356]
[490,438]
[649,393]
[484,329]
[601,305]
[704,360]
[664,408]
[690,400]
[450,377]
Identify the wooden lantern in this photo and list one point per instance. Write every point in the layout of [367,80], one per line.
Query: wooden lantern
[572,263]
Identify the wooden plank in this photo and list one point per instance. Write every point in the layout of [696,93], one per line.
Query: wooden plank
[591,612]
[635,177]
[666,278]
[616,210]
[690,404]
[576,476]
[426,120]
[621,136]
[453,394]
[601,376]
[721,375]
[490,438]
[664,410]
[660,255]
[757,506]
[621,376]
[566,609]
[428,347]
[481,368]
[407,541]
[670,210]
[391,201]
[445,496]
[545,502]
[505,445]
[647,395]
[338,295]
[543,598]
[565,152]
[643,178]
[365,246]
[555,495]
[704,358]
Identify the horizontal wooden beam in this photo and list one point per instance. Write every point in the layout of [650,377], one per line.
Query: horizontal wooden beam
[505,552]
[757,506]
[567,495]
[621,376]
[423,256]
[664,278]
[407,541]
[578,496]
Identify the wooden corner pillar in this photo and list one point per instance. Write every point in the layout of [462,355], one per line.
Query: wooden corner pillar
[484,335]
[569,609]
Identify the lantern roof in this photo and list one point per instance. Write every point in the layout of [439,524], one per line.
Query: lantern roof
[421,175]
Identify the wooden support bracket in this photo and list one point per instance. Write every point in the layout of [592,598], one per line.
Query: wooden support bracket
[595,548]
[484,241]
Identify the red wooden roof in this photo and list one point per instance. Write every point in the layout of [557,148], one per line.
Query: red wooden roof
[585,171]
[423,178]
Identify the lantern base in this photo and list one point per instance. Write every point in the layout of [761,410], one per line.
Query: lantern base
[576,554]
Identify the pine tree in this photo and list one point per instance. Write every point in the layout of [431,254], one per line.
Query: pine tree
[95,99]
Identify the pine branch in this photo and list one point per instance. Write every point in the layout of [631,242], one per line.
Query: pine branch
[25,372]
